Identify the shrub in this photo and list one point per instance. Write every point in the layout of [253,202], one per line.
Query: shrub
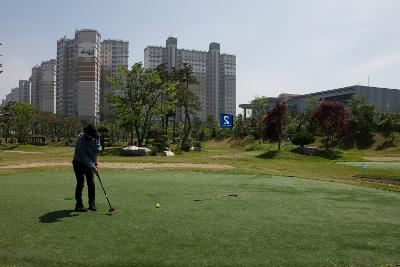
[160,142]
[185,146]
[303,138]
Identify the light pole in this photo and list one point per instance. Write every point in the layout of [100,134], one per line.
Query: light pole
[1,65]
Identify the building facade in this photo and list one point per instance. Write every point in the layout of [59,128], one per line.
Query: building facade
[215,72]
[114,53]
[24,91]
[385,99]
[78,75]
[43,86]
[13,96]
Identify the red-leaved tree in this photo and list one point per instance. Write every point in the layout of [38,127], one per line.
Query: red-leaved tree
[273,123]
[331,117]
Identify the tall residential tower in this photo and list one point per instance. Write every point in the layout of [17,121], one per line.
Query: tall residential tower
[215,72]
[24,91]
[78,75]
[114,53]
[43,86]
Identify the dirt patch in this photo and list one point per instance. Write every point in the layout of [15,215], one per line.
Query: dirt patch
[108,165]
[217,144]
[376,180]
[21,152]
[382,159]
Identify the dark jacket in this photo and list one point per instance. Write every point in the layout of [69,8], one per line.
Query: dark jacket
[86,150]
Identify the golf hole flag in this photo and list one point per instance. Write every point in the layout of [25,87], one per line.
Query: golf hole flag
[226,121]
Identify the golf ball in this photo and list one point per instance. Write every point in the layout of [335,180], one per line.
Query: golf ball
[157,205]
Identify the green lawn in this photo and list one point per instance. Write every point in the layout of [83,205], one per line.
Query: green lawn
[372,165]
[275,221]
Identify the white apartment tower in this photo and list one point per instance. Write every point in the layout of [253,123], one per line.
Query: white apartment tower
[78,75]
[114,53]
[43,86]
[24,91]
[215,72]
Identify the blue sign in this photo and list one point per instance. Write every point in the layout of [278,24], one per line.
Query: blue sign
[226,121]
[365,166]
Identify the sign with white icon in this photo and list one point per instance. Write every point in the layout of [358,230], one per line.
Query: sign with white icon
[226,121]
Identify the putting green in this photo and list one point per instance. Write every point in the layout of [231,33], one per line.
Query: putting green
[372,165]
[275,221]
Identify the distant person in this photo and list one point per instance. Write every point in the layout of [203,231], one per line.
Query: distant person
[85,164]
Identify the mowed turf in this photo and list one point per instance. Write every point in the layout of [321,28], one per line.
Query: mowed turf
[275,221]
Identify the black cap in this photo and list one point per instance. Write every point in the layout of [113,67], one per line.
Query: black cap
[91,131]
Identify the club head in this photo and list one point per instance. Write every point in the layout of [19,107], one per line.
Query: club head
[111,210]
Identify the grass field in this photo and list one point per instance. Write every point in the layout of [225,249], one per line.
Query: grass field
[275,221]
[292,210]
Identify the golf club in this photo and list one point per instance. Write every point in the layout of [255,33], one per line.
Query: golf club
[111,209]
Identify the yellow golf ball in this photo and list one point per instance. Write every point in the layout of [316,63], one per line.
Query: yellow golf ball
[157,205]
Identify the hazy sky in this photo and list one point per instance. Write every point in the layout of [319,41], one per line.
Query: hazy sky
[296,46]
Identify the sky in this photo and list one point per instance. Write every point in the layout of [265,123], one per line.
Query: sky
[281,46]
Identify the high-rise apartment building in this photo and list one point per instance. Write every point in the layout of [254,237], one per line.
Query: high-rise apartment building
[114,53]
[78,75]
[43,86]
[215,72]
[24,91]
[13,96]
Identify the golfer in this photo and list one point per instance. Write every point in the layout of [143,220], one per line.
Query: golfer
[85,164]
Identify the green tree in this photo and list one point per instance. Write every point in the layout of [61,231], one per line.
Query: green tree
[23,115]
[168,99]
[186,100]
[6,120]
[45,122]
[71,127]
[305,120]
[303,138]
[239,128]
[258,112]
[388,123]
[137,98]
[362,121]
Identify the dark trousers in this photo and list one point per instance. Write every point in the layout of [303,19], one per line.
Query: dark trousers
[81,171]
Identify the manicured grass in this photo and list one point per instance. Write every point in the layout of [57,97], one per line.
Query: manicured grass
[268,161]
[275,221]
[372,165]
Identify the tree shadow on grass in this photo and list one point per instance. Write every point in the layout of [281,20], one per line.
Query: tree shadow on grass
[385,145]
[56,216]
[330,154]
[268,155]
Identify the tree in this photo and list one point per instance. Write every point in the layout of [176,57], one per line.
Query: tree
[274,121]
[104,133]
[45,123]
[258,113]
[168,100]
[362,120]
[388,123]
[6,119]
[137,97]
[23,115]
[71,126]
[187,100]
[331,117]
[305,119]
[240,127]
[303,138]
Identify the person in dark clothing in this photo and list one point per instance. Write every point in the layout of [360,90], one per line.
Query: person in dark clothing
[85,164]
